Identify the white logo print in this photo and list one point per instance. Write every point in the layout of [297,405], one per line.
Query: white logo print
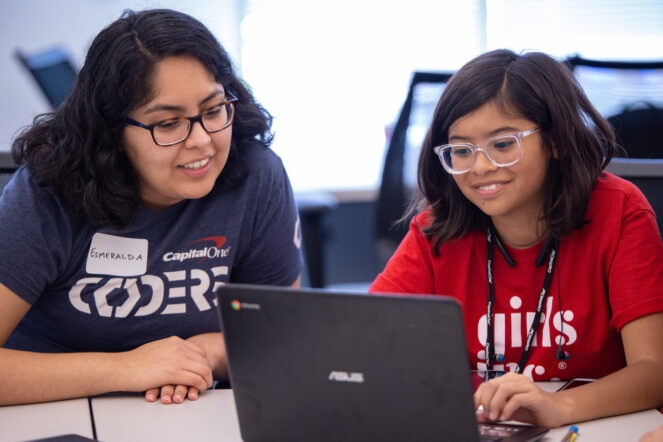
[205,252]
[550,333]
[297,239]
[148,294]
[344,376]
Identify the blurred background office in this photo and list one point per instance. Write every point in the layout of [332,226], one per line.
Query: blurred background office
[335,75]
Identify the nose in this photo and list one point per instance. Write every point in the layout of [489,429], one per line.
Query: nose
[482,164]
[198,136]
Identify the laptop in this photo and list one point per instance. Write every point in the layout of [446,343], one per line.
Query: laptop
[311,364]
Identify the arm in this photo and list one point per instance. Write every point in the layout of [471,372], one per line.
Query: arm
[215,347]
[29,377]
[271,259]
[636,387]
[655,435]
[215,351]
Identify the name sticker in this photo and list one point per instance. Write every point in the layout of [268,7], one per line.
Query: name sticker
[117,256]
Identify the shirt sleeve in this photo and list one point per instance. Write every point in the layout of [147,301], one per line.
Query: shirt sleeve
[635,277]
[410,269]
[32,237]
[272,240]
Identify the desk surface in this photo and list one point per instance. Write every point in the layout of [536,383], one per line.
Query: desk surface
[628,427]
[36,421]
[212,417]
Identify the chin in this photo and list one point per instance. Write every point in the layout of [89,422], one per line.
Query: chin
[490,209]
[198,193]
[198,196]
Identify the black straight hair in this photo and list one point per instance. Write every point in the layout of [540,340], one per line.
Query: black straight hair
[77,150]
[536,87]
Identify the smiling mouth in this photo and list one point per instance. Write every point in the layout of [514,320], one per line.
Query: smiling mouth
[488,187]
[196,164]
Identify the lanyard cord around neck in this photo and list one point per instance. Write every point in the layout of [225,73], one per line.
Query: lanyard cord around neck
[491,236]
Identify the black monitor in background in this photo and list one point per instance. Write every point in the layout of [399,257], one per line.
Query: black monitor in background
[630,95]
[647,174]
[52,70]
[7,168]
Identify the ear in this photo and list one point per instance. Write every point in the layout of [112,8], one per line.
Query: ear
[555,152]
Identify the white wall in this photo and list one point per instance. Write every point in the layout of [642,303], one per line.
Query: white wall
[334,73]
[33,25]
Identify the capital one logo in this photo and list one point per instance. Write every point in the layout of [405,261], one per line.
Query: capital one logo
[164,294]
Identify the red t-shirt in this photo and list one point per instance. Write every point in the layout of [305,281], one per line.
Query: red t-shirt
[610,272]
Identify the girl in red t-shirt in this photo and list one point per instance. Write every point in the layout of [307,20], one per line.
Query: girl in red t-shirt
[558,265]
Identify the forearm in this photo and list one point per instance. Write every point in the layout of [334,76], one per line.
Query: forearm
[28,377]
[636,387]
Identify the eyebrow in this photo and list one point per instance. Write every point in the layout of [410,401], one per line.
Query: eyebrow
[169,107]
[490,134]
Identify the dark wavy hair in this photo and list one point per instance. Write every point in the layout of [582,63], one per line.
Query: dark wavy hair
[538,88]
[77,151]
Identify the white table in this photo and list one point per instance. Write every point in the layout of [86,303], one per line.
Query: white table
[129,417]
[625,428]
[213,418]
[35,421]
[120,418]
[628,427]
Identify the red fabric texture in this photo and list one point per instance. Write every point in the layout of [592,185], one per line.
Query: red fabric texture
[610,270]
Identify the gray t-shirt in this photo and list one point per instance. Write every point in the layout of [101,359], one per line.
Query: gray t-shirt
[102,289]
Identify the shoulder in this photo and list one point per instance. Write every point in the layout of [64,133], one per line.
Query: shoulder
[260,162]
[264,187]
[24,191]
[615,201]
[257,154]
[617,205]
[21,180]
[264,168]
[26,203]
[422,219]
[611,189]
[425,218]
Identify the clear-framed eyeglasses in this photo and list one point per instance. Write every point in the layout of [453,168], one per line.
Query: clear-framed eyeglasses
[175,130]
[502,151]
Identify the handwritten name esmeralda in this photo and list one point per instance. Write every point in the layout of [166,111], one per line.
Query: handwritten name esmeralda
[98,254]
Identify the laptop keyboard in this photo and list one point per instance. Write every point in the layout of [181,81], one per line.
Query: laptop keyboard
[490,432]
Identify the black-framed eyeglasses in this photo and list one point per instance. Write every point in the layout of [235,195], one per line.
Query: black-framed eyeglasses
[175,130]
[502,151]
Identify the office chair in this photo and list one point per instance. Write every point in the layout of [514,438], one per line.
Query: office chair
[647,174]
[7,168]
[314,209]
[53,72]
[400,163]
[630,95]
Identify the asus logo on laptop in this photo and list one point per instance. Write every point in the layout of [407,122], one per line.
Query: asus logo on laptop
[344,376]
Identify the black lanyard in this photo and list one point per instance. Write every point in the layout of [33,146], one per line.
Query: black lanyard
[550,244]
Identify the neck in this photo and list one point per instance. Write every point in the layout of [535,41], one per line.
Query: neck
[520,235]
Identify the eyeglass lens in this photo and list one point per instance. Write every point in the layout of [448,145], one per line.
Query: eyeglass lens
[176,130]
[502,150]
